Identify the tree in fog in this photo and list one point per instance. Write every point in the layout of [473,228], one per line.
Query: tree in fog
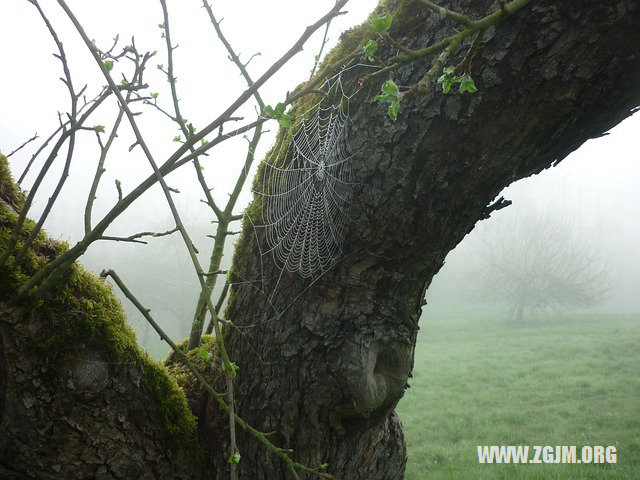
[308,362]
[538,264]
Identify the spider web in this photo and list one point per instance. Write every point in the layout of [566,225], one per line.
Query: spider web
[306,197]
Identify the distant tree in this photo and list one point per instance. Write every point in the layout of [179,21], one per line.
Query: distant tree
[539,264]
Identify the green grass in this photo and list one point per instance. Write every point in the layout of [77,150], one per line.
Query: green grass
[482,381]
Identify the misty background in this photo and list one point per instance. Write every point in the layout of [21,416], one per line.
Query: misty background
[594,192]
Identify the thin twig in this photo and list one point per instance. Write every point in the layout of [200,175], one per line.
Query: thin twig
[396,44]
[179,119]
[221,299]
[450,14]
[72,138]
[134,238]
[23,145]
[465,64]
[422,85]
[43,171]
[322,45]
[37,152]
[104,149]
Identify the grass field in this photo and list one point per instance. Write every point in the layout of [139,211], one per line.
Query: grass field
[483,381]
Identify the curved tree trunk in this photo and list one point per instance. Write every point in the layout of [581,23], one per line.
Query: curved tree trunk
[325,369]
[326,372]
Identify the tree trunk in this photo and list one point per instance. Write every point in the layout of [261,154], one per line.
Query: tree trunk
[78,398]
[85,413]
[323,365]
[325,369]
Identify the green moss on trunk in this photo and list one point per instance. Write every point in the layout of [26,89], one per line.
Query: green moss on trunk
[82,310]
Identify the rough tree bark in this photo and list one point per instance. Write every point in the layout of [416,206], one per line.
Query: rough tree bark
[326,375]
[78,398]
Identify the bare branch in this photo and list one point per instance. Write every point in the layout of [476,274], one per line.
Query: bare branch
[221,299]
[35,136]
[176,107]
[66,133]
[423,84]
[135,238]
[322,45]
[70,148]
[499,204]
[104,150]
[457,17]
[35,155]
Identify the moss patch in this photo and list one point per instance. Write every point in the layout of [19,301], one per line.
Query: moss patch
[205,359]
[9,191]
[83,311]
[11,200]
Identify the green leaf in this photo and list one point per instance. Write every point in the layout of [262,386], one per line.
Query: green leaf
[99,128]
[160,66]
[447,79]
[390,88]
[390,93]
[324,466]
[234,369]
[380,24]
[154,95]
[161,25]
[205,354]
[177,138]
[446,84]
[235,458]
[268,111]
[467,84]
[230,323]
[279,111]
[369,50]
[393,110]
[108,64]
[284,120]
